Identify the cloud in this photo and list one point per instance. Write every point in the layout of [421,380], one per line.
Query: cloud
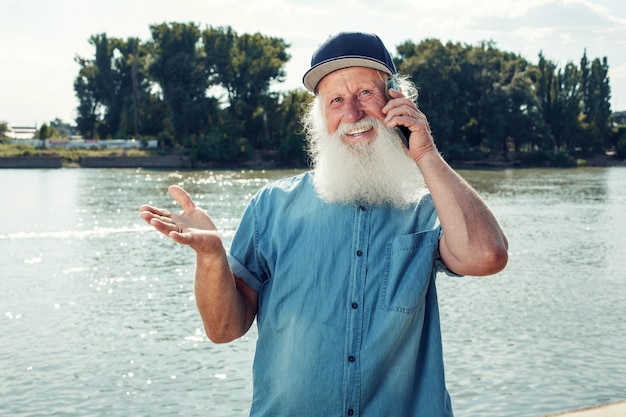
[39,39]
[569,20]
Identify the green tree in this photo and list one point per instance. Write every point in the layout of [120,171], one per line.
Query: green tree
[596,110]
[107,85]
[246,66]
[585,73]
[435,70]
[179,69]
[46,132]
[114,90]
[88,98]
[545,87]
[480,101]
[291,145]
[567,98]
[481,94]
[210,92]
[4,128]
[599,106]
[141,113]
[620,142]
[576,104]
[97,88]
[525,124]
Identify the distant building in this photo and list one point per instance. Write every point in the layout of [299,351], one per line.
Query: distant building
[620,117]
[87,143]
[21,132]
[65,129]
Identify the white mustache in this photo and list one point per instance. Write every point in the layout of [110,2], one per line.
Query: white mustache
[361,126]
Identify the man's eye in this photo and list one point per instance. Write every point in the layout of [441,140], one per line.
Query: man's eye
[337,100]
[364,94]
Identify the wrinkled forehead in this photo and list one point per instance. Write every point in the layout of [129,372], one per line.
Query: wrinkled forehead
[351,80]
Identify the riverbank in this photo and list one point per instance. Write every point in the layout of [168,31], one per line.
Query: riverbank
[606,410]
[135,159]
[261,160]
[52,161]
[606,160]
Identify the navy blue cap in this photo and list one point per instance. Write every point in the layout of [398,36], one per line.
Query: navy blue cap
[348,49]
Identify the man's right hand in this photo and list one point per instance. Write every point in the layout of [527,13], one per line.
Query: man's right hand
[193,227]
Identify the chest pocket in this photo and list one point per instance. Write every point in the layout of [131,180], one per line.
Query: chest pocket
[409,265]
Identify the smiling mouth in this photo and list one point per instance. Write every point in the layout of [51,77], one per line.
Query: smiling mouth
[358,131]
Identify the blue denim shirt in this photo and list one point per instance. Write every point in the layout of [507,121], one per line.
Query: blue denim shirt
[348,320]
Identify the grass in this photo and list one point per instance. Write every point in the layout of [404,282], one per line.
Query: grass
[67,155]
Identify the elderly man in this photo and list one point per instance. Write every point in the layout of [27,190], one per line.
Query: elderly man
[338,264]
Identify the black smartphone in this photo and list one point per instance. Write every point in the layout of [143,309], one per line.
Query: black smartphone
[403,131]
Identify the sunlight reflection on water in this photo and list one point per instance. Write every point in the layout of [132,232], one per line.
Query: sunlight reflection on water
[98,314]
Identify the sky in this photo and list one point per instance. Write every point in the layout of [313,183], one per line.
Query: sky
[39,39]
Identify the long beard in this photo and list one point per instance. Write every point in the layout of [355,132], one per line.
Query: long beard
[375,172]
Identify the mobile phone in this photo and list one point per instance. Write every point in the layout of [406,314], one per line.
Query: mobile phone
[403,131]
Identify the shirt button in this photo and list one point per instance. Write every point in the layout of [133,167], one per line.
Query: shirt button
[359,253]
[350,412]
[355,306]
[351,358]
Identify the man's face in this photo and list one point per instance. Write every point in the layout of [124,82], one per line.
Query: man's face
[355,156]
[350,94]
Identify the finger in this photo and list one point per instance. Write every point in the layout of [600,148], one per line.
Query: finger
[165,225]
[181,237]
[146,215]
[149,214]
[182,197]
[160,225]
[402,109]
[400,117]
[392,104]
[393,93]
[146,208]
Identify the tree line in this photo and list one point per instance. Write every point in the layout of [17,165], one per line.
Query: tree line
[211,92]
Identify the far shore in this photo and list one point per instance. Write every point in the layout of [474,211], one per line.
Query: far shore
[259,162]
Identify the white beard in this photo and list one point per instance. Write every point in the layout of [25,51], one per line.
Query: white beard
[375,172]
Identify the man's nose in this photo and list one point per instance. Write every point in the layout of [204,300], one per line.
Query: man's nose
[353,110]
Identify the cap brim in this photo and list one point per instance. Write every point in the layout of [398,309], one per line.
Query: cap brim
[313,76]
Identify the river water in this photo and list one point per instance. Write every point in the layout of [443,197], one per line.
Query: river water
[98,318]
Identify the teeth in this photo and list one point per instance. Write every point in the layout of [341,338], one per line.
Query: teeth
[357,131]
